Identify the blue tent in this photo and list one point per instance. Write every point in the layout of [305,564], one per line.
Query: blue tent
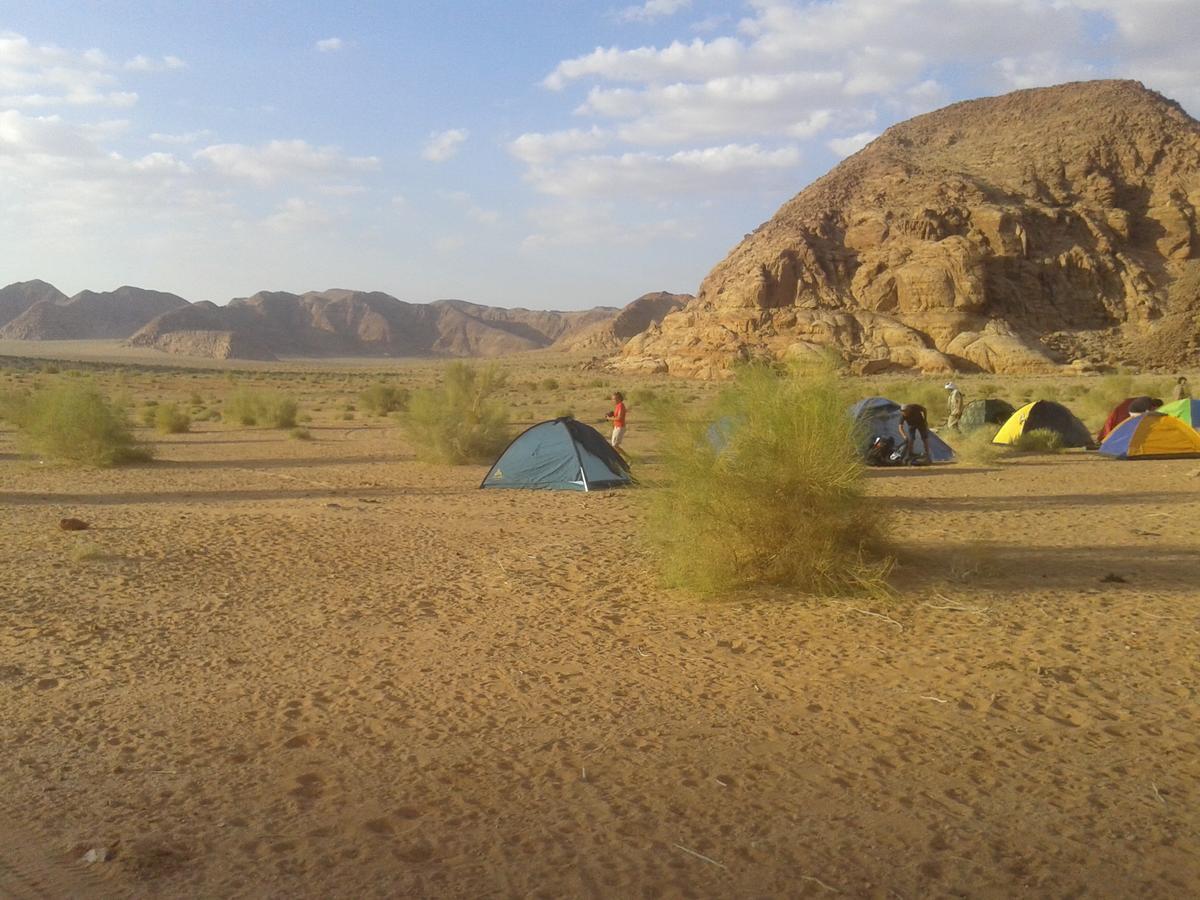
[880,417]
[558,455]
[1152,436]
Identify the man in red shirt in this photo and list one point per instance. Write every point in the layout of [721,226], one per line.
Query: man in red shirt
[618,420]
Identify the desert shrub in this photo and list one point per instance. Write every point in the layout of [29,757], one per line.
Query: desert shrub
[261,408]
[1039,440]
[987,390]
[149,414]
[76,423]
[976,446]
[781,503]
[642,396]
[460,420]
[170,419]
[300,434]
[549,384]
[381,399]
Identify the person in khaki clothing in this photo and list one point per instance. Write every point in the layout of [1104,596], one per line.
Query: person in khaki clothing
[955,405]
[1183,391]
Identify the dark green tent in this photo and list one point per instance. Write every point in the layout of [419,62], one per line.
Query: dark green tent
[978,413]
[558,455]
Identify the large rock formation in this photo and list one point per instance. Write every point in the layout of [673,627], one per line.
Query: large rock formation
[89,315]
[356,323]
[611,334]
[19,296]
[1010,234]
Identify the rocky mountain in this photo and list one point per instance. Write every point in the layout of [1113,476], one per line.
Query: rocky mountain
[88,315]
[1009,234]
[19,296]
[612,333]
[269,325]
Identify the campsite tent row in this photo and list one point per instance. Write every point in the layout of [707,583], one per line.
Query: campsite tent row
[565,454]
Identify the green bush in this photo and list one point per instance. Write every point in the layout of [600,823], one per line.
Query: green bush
[170,419]
[381,399]
[976,446]
[781,503]
[459,421]
[1039,440]
[267,408]
[300,434]
[76,423]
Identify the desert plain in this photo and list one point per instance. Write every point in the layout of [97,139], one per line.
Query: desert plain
[280,667]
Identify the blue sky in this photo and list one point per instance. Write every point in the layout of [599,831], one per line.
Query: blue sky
[551,155]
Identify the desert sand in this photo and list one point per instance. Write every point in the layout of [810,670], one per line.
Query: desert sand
[280,668]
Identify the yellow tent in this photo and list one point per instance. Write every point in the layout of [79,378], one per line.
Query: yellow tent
[1048,415]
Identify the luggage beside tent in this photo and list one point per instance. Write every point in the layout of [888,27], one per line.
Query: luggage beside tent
[878,417]
[1152,435]
[558,455]
[992,411]
[1048,415]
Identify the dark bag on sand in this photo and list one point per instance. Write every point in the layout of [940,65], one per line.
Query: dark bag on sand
[882,452]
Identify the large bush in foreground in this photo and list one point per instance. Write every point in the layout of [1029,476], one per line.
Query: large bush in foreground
[772,494]
[459,421]
[77,423]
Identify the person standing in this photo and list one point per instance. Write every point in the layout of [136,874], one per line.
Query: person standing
[914,421]
[955,405]
[1183,390]
[617,417]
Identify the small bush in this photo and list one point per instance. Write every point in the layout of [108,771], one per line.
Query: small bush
[781,503]
[459,421]
[642,397]
[1039,440]
[170,419]
[987,390]
[381,399]
[549,384]
[76,423]
[976,446]
[149,414]
[300,434]
[268,408]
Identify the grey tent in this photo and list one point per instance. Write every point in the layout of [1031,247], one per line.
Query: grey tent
[981,412]
[559,455]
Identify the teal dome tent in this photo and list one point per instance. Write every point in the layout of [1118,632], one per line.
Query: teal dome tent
[559,455]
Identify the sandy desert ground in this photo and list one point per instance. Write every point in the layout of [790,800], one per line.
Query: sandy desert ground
[280,668]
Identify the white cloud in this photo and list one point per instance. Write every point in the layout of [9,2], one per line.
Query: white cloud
[330,45]
[297,214]
[450,243]
[731,167]
[43,75]
[652,10]
[698,59]
[187,137]
[844,146]
[537,148]
[588,224]
[275,161]
[147,64]
[443,145]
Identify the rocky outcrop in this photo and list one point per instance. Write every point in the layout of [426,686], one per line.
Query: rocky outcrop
[90,315]
[19,296]
[274,324]
[1011,234]
[612,334]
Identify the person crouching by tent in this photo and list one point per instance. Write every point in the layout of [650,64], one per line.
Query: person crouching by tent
[1183,390]
[617,417]
[955,405]
[913,421]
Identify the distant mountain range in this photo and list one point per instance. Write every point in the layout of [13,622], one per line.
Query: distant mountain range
[274,324]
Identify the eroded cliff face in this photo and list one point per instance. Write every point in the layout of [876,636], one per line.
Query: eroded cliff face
[1012,234]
